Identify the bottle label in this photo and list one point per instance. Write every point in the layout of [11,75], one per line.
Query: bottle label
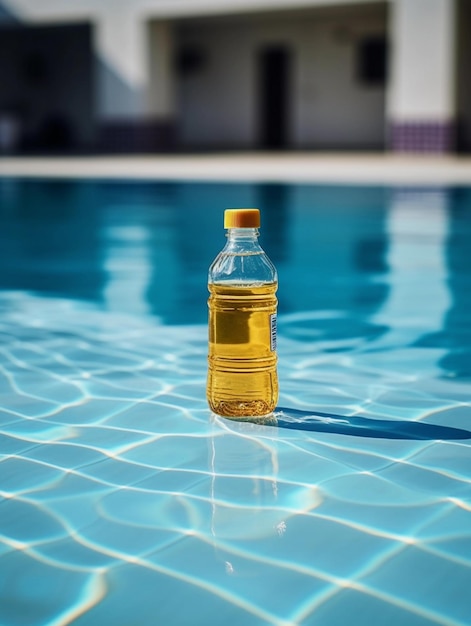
[273,332]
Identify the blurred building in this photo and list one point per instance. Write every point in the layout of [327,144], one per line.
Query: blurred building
[159,75]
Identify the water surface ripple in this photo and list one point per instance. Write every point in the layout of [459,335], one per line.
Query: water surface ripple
[124,501]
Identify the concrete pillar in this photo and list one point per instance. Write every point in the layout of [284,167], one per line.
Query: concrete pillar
[421,94]
[161,96]
[133,82]
[122,77]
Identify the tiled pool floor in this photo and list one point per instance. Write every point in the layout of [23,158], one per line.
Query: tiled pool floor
[122,495]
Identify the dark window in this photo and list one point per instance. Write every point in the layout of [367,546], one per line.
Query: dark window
[36,69]
[372,61]
[191,59]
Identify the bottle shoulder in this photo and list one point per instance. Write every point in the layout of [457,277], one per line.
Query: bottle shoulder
[242,267]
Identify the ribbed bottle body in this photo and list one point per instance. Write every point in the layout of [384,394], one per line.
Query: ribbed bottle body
[242,373]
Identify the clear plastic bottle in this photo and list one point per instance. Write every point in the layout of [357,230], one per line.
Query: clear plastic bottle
[242,376]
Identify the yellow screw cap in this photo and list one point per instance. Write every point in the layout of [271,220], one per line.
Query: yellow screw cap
[241,218]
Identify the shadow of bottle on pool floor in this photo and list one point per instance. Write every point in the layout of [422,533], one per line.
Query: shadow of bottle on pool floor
[358,426]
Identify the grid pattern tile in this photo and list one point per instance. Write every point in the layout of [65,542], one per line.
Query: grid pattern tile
[428,137]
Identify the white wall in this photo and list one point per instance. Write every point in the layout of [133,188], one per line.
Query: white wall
[215,105]
[422,70]
[332,107]
[218,105]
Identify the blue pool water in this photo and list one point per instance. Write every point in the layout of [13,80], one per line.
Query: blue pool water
[124,502]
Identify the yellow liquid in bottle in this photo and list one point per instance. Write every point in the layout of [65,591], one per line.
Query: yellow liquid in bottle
[242,377]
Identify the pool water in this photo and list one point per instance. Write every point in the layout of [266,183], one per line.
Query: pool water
[125,502]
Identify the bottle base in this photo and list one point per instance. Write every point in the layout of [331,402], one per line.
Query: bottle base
[238,409]
[258,420]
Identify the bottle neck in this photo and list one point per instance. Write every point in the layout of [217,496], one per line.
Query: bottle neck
[242,234]
[242,240]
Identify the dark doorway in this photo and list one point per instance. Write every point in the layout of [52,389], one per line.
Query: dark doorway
[274,89]
[47,87]
[463,84]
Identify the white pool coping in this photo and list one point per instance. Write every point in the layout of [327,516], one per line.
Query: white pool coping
[301,167]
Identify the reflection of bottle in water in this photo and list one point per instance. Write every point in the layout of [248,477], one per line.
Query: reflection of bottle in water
[242,376]
[250,507]
[244,490]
